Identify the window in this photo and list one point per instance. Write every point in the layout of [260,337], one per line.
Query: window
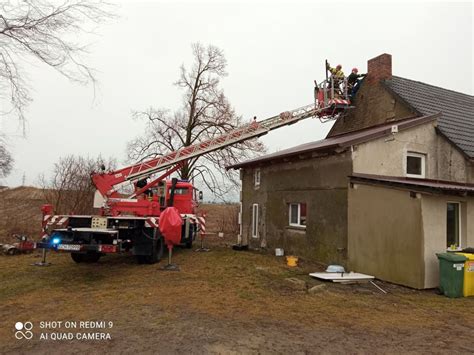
[256,177]
[453,224]
[297,213]
[181,191]
[255,220]
[415,165]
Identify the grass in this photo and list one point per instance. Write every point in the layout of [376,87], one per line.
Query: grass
[223,285]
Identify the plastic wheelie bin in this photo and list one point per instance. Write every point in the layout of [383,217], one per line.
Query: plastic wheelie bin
[451,274]
[468,285]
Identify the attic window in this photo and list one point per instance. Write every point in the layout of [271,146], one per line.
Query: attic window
[415,165]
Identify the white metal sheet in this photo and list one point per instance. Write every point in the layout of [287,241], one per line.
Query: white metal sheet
[338,276]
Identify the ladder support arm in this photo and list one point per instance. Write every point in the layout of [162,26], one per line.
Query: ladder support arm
[105,182]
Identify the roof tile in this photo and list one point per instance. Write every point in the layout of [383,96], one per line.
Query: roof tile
[457,119]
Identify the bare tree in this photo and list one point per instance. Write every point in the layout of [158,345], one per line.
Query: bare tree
[6,160]
[42,31]
[70,188]
[205,114]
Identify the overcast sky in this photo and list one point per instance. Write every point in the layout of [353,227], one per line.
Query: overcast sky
[274,51]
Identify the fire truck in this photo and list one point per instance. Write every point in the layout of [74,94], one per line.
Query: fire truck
[131,222]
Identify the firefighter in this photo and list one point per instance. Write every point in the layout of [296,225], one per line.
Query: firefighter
[337,71]
[337,76]
[142,183]
[353,81]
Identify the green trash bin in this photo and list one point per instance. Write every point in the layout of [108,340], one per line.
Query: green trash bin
[451,274]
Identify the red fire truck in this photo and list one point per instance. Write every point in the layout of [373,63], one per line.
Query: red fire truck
[131,222]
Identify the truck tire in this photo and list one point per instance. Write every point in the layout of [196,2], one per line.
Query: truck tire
[90,257]
[78,257]
[192,234]
[156,255]
[189,244]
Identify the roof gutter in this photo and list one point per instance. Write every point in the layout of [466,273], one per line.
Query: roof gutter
[403,125]
[402,185]
[327,149]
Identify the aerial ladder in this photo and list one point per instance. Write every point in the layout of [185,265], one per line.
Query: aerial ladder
[130,222]
[327,107]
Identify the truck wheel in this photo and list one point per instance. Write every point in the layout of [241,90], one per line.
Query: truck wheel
[156,255]
[77,257]
[85,258]
[160,249]
[92,257]
[192,234]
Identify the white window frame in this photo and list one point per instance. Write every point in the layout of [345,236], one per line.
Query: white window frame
[423,165]
[255,220]
[256,178]
[458,246]
[298,217]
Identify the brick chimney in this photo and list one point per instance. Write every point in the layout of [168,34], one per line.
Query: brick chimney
[379,68]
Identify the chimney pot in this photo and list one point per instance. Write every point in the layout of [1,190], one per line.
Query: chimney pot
[379,68]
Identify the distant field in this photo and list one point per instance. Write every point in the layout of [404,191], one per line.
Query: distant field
[20,213]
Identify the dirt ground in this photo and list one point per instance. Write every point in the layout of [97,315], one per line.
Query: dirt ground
[222,301]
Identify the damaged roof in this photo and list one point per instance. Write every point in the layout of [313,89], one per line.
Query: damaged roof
[457,120]
[416,184]
[340,142]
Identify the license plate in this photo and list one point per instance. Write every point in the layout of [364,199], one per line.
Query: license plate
[107,248]
[72,247]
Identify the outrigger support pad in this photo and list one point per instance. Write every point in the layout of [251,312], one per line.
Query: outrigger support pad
[43,261]
[170,266]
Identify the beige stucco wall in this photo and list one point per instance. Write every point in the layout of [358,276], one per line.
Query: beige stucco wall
[395,237]
[388,233]
[385,234]
[434,209]
[387,156]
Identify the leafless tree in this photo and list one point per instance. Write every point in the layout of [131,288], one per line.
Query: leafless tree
[70,188]
[6,160]
[45,32]
[205,114]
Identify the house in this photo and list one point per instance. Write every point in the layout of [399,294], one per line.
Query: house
[391,185]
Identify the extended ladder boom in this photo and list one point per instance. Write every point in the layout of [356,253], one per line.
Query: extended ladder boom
[252,130]
[107,183]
